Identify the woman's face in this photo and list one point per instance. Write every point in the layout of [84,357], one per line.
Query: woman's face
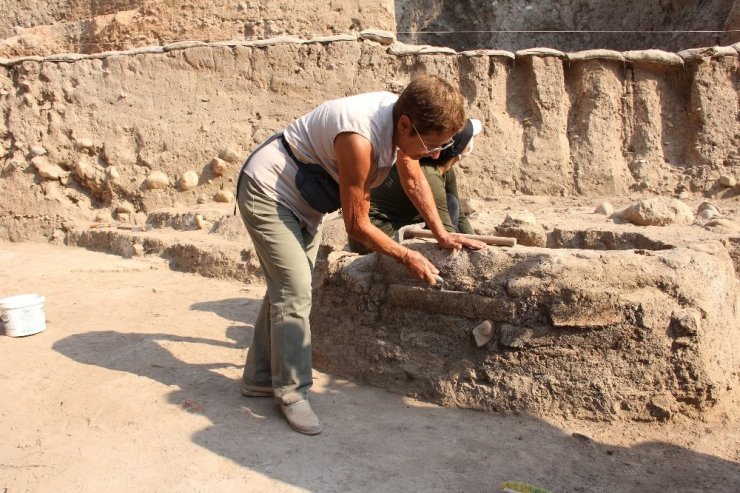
[417,145]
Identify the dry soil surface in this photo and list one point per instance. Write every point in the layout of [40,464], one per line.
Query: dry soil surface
[134,385]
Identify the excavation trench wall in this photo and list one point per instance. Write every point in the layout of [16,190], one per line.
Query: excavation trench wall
[571,25]
[84,133]
[35,27]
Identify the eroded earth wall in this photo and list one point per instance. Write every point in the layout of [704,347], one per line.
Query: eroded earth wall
[80,133]
[35,27]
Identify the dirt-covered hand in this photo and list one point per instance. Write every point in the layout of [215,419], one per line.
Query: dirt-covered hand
[455,241]
[420,267]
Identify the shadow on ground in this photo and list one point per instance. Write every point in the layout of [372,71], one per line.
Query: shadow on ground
[377,441]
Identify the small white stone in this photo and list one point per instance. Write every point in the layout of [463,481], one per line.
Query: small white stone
[157,180]
[84,143]
[112,174]
[483,333]
[219,166]
[228,154]
[200,222]
[46,169]
[84,169]
[224,196]
[38,150]
[727,181]
[604,208]
[189,180]
[202,199]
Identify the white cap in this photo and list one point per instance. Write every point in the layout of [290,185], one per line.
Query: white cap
[477,127]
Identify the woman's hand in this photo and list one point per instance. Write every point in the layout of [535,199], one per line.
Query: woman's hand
[420,267]
[455,241]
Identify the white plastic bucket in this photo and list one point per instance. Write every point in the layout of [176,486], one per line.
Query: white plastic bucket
[23,315]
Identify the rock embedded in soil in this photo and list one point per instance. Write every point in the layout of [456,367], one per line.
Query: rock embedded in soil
[604,208]
[727,181]
[84,143]
[229,155]
[483,333]
[219,166]
[157,180]
[188,181]
[48,170]
[658,211]
[224,196]
[38,150]
[112,174]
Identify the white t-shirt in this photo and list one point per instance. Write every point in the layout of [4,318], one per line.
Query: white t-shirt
[311,137]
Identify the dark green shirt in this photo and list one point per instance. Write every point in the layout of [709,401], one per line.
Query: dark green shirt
[390,207]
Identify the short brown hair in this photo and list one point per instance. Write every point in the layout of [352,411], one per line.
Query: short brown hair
[432,103]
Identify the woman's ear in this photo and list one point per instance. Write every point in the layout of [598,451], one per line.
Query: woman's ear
[405,124]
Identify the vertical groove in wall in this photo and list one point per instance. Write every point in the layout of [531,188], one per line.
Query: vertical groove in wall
[547,169]
[503,147]
[645,142]
[476,87]
[713,106]
[595,127]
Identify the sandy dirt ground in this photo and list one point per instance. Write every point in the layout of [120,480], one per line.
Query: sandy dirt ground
[134,387]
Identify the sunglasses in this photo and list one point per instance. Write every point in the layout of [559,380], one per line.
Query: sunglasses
[433,150]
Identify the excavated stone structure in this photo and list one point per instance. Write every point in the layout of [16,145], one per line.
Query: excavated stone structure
[628,333]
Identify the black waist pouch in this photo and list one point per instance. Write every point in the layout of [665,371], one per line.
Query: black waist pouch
[315,184]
